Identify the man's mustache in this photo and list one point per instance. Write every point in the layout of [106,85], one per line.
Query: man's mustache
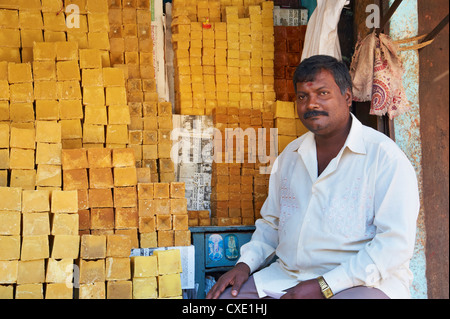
[313,113]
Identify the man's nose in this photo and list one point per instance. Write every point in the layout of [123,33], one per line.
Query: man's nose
[312,103]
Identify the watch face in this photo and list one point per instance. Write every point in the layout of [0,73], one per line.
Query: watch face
[327,293]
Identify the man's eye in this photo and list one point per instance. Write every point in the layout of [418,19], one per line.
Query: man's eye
[323,93]
[300,97]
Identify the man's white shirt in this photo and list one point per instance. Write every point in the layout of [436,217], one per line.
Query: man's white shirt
[355,224]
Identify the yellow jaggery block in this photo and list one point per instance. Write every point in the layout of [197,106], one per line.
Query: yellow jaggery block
[34,247]
[118,245]
[31,272]
[59,271]
[92,77]
[29,291]
[11,198]
[48,131]
[65,224]
[90,59]
[94,290]
[22,138]
[117,134]
[10,223]
[113,77]
[118,268]
[169,261]
[19,72]
[119,115]
[65,246]
[95,114]
[68,90]
[47,110]
[64,201]
[8,271]
[93,246]
[10,247]
[93,95]
[66,50]
[48,175]
[92,271]
[44,51]
[35,201]
[182,237]
[58,291]
[68,70]
[169,285]
[145,288]
[119,289]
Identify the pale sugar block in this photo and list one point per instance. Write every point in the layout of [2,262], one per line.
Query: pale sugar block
[144,266]
[35,201]
[145,288]
[29,291]
[169,261]
[93,246]
[59,270]
[11,198]
[92,271]
[64,201]
[9,247]
[117,268]
[31,272]
[58,291]
[65,246]
[35,224]
[35,247]
[169,285]
[10,223]
[65,224]
[8,271]
[94,290]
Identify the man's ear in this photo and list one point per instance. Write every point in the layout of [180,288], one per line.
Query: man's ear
[349,97]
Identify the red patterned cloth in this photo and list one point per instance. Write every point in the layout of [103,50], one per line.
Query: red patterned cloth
[377,73]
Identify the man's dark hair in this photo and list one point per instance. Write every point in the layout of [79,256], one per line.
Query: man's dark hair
[310,67]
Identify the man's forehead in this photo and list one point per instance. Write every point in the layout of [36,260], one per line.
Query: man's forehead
[320,78]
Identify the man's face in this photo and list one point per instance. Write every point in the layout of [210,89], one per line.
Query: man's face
[321,106]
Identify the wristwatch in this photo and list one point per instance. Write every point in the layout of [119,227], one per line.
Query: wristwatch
[326,290]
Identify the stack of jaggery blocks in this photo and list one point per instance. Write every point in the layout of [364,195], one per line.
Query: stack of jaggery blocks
[223,63]
[106,112]
[150,119]
[105,267]
[17,129]
[30,121]
[39,242]
[198,10]
[238,187]
[288,123]
[157,276]
[106,181]
[199,218]
[132,47]
[163,216]
[288,51]
[25,22]
[151,138]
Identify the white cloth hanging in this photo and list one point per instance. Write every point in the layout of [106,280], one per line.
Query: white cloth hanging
[322,31]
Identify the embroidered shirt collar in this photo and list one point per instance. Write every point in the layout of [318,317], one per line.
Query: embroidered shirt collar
[354,141]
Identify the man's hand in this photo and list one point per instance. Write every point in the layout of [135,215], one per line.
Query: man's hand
[236,277]
[309,289]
